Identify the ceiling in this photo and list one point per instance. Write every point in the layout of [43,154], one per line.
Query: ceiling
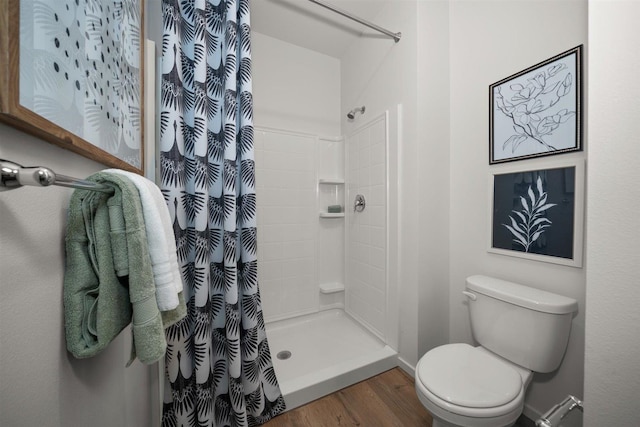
[312,26]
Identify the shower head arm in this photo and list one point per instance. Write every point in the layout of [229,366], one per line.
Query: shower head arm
[352,114]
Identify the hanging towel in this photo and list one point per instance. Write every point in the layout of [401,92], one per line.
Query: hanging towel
[108,279]
[162,248]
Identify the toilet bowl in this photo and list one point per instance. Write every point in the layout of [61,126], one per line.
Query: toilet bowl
[462,385]
[520,330]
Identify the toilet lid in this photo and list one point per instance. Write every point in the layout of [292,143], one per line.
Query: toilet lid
[464,376]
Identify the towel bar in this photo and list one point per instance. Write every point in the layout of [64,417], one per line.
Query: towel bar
[13,175]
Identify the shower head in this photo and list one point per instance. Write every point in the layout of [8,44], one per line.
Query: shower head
[352,114]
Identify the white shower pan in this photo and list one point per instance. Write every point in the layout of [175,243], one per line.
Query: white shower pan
[323,352]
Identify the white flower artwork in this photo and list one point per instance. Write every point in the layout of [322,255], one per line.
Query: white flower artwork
[537,111]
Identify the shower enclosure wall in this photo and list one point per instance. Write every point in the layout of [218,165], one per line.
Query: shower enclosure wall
[287,247]
[301,245]
[366,235]
[323,274]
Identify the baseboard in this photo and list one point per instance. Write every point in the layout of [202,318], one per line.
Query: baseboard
[407,367]
[531,414]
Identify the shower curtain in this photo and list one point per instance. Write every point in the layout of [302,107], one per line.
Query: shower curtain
[218,366]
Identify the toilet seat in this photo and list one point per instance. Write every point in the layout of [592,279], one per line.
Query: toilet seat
[468,381]
[462,375]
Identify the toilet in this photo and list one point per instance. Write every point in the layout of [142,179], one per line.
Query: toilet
[520,330]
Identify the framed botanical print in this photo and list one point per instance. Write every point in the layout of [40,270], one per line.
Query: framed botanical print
[537,212]
[538,111]
[72,74]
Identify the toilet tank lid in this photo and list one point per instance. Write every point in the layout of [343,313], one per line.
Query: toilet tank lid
[524,296]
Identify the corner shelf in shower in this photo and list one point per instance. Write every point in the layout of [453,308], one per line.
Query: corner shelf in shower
[331,215]
[331,288]
[331,181]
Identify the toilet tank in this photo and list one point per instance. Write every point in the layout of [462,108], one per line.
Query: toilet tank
[527,326]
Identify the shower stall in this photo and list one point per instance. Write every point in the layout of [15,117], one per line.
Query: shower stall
[327,217]
[322,254]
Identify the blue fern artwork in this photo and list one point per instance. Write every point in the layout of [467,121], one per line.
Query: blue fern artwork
[537,111]
[533,212]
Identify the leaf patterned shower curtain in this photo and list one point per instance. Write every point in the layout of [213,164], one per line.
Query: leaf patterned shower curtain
[218,366]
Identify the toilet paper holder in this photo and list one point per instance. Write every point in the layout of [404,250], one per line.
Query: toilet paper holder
[555,415]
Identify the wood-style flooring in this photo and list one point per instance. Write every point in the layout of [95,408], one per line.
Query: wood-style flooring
[386,400]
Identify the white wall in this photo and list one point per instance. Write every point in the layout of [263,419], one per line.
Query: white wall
[433,190]
[612,370]
[41,383]
[294,88]
[491,40]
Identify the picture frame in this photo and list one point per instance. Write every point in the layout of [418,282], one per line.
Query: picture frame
[75,77]
[537,213]
[538,111]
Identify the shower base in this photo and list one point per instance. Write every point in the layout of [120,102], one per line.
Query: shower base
[323,352]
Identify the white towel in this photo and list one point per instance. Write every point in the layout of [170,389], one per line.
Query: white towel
[160,239]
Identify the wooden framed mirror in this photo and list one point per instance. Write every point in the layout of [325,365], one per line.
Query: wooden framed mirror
[71,73]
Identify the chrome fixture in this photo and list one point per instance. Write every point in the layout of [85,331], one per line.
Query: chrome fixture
[13,175]
[556,414]
[359,203]
[394,36]
[352,114]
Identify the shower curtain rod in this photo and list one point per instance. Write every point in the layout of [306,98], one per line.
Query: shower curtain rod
[13,175]
[394,36]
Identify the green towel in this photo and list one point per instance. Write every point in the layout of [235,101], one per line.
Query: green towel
[108,278]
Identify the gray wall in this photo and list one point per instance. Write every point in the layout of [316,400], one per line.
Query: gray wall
[40,383]
[612,370]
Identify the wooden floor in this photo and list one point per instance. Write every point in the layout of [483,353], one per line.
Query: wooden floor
[388,399]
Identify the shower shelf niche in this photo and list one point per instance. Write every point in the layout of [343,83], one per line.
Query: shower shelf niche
[331,192]
[331,288]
